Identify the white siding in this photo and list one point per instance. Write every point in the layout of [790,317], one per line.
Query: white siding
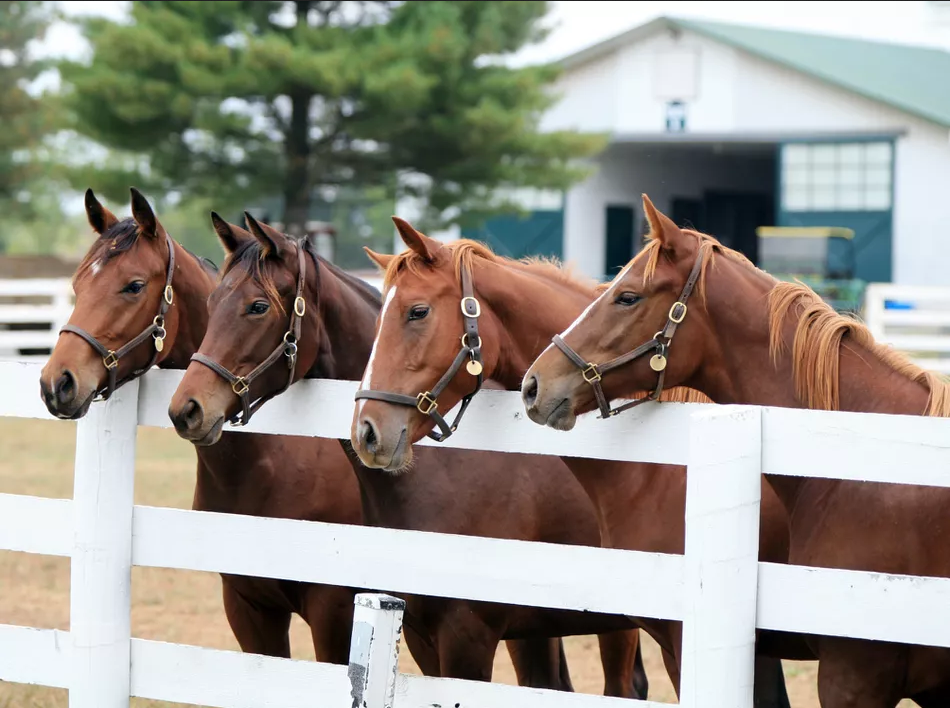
[587,100]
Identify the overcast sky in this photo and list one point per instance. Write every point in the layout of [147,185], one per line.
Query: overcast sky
[579,24]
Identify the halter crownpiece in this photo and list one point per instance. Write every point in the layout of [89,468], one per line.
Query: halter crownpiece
[426,402]
[241,385]
[660,345]
[110,357]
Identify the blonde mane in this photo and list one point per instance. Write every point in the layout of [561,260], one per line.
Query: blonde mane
[820,334]
[463,252]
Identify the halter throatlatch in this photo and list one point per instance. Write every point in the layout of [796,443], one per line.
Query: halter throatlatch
[110,357]
[241,385]
[660,344]
[426,402]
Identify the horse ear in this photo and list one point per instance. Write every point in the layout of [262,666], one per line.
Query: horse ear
[380,259]
[144,216]
[269,237]
[423,245]
[662,227]
[231,235]
[100,218]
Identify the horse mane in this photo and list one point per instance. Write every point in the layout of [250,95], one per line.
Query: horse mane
[249,257]
[820,334]
[463,252]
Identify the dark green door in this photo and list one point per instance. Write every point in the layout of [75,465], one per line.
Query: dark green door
[870,249]
[619,249]
[541,233]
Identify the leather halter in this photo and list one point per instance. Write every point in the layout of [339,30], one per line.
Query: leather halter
[110,358]
[660,344]
[241,385]
[426,402]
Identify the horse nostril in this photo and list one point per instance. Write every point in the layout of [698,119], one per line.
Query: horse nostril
[65,389]
[368,437]
[190,416]
[529,391]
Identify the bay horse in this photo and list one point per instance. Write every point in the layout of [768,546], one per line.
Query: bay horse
[520,306]
[274,292]
[133,270]
[747,338]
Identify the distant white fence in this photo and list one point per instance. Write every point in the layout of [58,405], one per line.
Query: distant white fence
[717,588]
[31,312]
[912,319]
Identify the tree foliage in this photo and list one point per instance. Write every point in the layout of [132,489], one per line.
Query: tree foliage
[241,100]
[25,118]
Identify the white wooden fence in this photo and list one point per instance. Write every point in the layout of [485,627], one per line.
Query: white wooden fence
[913,319]
[44,318]
[717,588]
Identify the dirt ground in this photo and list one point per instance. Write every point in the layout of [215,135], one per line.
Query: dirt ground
[185,607]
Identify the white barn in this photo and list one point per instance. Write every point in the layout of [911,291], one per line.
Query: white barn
[731,127]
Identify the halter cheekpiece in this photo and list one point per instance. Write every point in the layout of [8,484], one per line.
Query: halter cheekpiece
[241,385]
[660,345]
[110,357]
[426,402]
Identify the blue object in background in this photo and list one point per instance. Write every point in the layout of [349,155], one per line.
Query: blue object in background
[898,305]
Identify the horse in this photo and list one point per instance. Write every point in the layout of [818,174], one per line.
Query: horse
[748,338]
[277,300]
[520,305]
[133,270]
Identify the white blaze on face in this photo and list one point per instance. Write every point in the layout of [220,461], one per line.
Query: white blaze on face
[367,382]
[95,268]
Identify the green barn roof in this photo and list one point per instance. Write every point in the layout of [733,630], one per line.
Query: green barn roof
[911,78]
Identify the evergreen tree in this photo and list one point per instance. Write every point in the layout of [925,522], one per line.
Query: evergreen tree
[241,100]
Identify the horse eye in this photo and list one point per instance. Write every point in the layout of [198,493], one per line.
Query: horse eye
[134,288]
[258,307]
[418,312]
[627,299]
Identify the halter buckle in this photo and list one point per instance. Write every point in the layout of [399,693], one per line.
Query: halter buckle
[478,308]
[110,360]
[425,403]
[240,386]
[591,373]
[169,294]
[300,306]
[681,312]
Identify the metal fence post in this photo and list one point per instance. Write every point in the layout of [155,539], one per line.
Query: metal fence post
[374,650]
[101,566]
[723,492]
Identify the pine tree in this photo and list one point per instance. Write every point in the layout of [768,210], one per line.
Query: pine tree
[242,100]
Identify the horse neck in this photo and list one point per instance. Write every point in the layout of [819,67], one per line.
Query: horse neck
[347,325]
[739,369]
[529,309]
[192,285]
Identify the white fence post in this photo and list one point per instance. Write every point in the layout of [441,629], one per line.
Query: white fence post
[723,492]
[101,568]
[374,649]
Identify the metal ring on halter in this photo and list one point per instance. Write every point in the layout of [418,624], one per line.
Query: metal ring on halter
[110,360]
[591,368]
[240,386]
[426,398]
[478,308]
[468,346]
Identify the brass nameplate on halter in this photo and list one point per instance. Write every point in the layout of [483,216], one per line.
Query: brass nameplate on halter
[474,367]
[159,343]
[658,362]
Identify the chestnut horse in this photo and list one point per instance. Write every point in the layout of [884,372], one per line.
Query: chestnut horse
[120,286]
[745,337]
[269,281]
[521,304]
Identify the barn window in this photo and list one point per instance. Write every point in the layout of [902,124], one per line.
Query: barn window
[837,176]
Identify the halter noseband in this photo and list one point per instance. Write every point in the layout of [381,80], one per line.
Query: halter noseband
[241,385]
[426,402]
[660,344]
[110,357]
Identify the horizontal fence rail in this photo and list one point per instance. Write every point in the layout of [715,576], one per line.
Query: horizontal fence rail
[912,319]
[714,441]
[32,310]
